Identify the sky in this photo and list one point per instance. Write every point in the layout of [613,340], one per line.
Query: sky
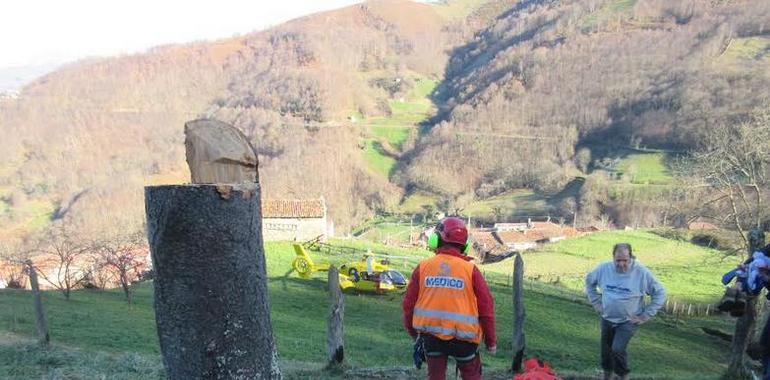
[45,33]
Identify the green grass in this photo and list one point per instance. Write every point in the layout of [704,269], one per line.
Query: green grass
[30,216]
[646,169]
[394,232]
[395,135]
[608,12]
[422,89]
[413,204]
[20,358]
[405,114]
[565,332]
[377,160]
[521,202]
[748,50]
[689,272]
[457,9]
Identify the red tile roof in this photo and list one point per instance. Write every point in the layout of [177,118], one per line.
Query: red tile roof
[538,231]
[485,238]
[508,237]
[293,208]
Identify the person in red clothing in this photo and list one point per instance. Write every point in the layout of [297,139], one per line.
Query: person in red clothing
[449,306]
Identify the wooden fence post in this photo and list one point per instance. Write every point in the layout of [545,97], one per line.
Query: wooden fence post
[43,335]
[335,335]
[518,313]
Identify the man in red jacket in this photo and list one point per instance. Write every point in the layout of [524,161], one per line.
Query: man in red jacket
[449,304]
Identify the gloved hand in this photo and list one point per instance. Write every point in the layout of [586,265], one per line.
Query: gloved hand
[492,350]
[419,352]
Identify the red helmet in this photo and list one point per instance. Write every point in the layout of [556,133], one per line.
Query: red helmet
[452,230]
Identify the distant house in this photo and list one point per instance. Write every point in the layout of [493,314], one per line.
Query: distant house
[504,227]
[701,225]
[524,236]
[485,244]
[295,219]
[516,240]
[588,230]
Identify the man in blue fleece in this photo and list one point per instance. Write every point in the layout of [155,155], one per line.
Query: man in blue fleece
[623,283]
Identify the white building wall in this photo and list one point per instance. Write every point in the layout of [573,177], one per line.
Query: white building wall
[299,229]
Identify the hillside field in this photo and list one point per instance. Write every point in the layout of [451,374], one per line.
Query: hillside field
[98,334]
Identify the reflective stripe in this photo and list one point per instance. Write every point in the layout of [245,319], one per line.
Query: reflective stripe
[459,359]
[446,315]
[445,331]
[466,358]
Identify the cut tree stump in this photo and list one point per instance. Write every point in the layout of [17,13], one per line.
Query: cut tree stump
[211,301]
[219,153]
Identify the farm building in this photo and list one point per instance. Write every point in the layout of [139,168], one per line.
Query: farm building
[295,219]
[504,238]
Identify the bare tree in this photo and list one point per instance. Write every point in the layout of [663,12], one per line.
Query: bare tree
[123,256]
[67,257]
[734,166]
[13,254]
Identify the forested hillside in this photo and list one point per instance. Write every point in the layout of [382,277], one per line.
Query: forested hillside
[374,102]
[85,139]
[548,76]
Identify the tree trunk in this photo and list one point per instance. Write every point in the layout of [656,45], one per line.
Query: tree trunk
[744,326]
[42,324]
[518,313]
[211,302]
[126,290]
[335,335]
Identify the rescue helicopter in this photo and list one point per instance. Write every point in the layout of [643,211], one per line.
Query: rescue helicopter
[368,275]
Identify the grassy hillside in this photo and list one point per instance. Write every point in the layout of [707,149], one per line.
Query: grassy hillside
[513,203]
[404,113]
[118,340]
[276,86]
[545,77]
[689,272]
[744,53]
[646,168]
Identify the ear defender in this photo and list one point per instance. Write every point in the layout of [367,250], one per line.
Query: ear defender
[433,240]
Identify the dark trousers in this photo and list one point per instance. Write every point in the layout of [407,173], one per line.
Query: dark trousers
[764,341]
[465,354]
[615,338]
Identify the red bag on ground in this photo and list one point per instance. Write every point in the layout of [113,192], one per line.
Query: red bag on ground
[536,369]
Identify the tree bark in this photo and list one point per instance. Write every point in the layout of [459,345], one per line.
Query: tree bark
[518,313]
[41,322]
[211,301]
[335,335]
[744,326]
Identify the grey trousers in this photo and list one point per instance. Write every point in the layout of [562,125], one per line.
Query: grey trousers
[615,338]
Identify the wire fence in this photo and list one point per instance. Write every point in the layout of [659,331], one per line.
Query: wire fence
[561,287]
